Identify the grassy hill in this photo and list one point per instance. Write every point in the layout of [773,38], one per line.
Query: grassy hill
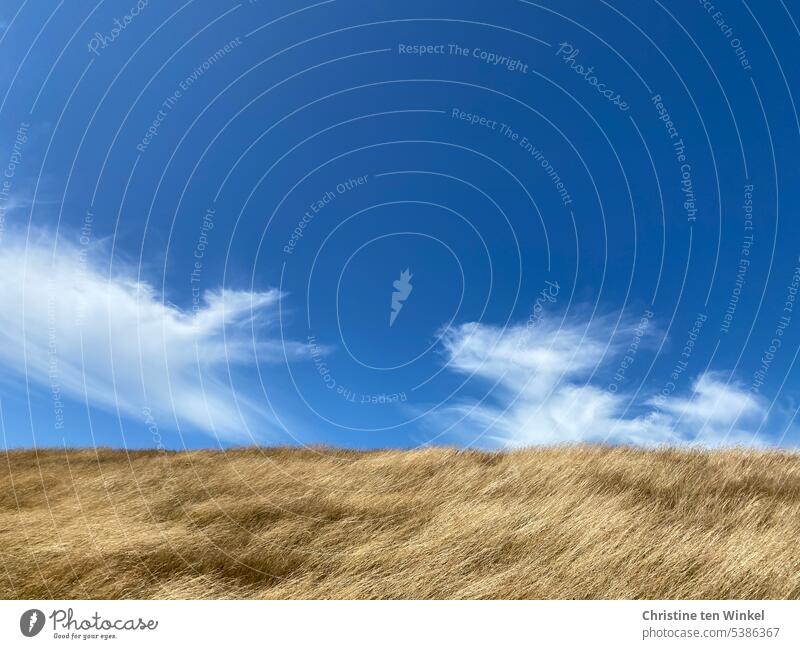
[571,522]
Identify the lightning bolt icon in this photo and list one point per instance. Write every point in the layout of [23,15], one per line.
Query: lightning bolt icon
[402,290]
[32,621]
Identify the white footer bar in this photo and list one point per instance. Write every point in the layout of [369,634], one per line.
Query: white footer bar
[154,624]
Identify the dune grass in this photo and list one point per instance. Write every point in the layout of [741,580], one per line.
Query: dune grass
[567,522]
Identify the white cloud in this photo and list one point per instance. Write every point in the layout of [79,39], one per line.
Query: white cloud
[715,402]
[114,342]
[718,411]
[543,387]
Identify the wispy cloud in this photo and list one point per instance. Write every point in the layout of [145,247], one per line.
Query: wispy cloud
[114,341]
[546,386]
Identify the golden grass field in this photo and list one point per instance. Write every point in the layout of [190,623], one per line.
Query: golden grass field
[567,522]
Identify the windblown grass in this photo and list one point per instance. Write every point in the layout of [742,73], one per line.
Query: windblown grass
[570,522]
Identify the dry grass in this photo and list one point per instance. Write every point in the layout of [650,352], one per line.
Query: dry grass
[576,522]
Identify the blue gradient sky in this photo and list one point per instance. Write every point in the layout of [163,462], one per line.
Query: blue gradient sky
[208,204]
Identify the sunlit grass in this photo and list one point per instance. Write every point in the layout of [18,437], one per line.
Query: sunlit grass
[570,522]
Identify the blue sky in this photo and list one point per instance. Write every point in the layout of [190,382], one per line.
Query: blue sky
[208,208]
